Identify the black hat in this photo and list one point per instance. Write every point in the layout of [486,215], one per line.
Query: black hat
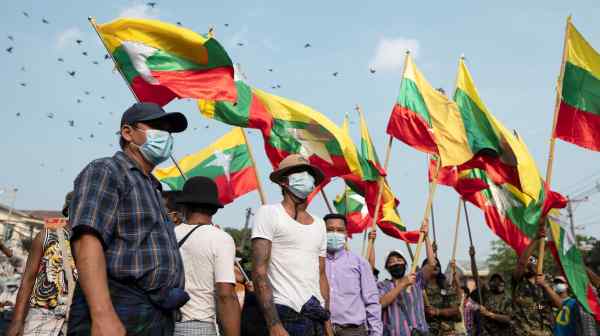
[335,216]
[173,122]
[199,190]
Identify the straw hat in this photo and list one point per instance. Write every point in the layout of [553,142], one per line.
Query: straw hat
[295,163]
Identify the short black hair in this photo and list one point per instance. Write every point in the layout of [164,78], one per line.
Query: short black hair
[335,216]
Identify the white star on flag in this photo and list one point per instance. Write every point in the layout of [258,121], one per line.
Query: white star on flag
[313,140]
[138,53]
[222,160]
[568,239]
[502,199]
[363,210]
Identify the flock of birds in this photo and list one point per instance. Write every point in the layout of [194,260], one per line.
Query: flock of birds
[12,47]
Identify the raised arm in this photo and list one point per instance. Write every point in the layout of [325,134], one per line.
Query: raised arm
[429,268]
[261,255]
[372,237]
[524,259]
[27,282]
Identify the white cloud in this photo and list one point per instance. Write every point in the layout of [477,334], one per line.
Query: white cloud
[389,54]
[68,37]
[139,10]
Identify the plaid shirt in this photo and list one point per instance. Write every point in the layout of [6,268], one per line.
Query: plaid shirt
[122,206]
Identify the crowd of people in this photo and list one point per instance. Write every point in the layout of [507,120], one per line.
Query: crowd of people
[134,260]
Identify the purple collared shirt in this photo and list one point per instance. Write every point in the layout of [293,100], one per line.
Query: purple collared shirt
[407,311]
[354,298]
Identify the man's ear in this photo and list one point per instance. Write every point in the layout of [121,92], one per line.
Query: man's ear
[126,133]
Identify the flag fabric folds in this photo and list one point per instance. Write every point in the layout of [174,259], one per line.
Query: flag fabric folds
[288,127]
[226,161]
[564,247]
[427,120]
[353,206]
[578,119]
[161,61]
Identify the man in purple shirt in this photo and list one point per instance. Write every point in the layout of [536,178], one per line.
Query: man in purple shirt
[354,299]
[404,310]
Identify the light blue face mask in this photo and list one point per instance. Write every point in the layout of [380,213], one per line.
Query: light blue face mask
[158,146]
[335,241]
[301,184]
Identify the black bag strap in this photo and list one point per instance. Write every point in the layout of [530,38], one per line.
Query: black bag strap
[180,243]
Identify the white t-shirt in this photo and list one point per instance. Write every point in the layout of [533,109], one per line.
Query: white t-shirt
[295,252]
[208,257]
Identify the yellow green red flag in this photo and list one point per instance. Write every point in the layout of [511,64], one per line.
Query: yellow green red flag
[226,161]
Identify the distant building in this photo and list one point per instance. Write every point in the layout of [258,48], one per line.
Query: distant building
[463,268]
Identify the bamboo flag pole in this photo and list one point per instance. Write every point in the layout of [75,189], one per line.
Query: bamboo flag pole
[261,191]
[542,234]
[456,227]
[92,21]
[474,270]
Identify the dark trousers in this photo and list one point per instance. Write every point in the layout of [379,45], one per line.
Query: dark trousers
[297,324]
[346,330]
[136,312]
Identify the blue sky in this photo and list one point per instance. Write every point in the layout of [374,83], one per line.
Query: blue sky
[513,49]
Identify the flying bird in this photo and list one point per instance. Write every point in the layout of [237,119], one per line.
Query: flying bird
[23,84]
[270,70]
[240,44]
[372,70]
[26,14]
[45,21]
[92,135]
[72,73]
[335,74]
[50,115]
[11,38]
[95,62]
[106,56]
[71,123]
[18,114]
[207,127]
[79,101]
[99,123]
[102,97]
[79,41]
[60,59]
[23,68]
[307,45]
[80,138]
[179,23]
[84,53]
[9,50]
[87,93]
[151,4]
[226,25]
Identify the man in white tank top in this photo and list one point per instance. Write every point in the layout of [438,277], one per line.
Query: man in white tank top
[289,246]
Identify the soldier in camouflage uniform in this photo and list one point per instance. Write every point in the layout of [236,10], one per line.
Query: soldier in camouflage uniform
[532,298]
[496,313]
[442,304]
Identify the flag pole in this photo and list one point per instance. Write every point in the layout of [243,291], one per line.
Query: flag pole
[327,200]
[92,21]
[474,270]
[261,192]
[456,228]
[542,229]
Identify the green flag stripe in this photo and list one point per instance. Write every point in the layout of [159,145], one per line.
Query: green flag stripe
[238,114]
[581,89]
[480,132]
[411,98]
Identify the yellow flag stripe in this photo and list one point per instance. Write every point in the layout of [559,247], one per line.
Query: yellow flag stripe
[581,53]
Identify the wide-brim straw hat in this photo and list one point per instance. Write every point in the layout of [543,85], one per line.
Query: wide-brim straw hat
[296,163]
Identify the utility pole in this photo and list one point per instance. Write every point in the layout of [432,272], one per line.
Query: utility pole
[570,213]
[246,225]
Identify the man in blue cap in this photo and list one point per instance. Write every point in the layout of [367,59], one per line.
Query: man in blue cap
[130,271]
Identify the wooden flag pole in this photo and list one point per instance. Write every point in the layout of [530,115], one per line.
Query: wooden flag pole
[432,188]
[474,270]
[92,21]
[542,229]
[380,183]
[456,228]
[261,192]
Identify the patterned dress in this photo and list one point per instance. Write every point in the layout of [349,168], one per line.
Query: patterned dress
[50,296]
[531,309]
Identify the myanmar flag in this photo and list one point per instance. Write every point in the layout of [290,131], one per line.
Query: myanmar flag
[564,248]
[369,162]
[353,206]
[161,61]
[427,120]
[288,127]
[578,118]
[227,162]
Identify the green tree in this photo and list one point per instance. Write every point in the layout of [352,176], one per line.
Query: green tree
[245,251]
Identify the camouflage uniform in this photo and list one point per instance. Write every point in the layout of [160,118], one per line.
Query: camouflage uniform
[497,304]
[441,299]
[531,309]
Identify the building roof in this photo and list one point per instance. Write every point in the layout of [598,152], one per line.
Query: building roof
[463,267]
[43,214]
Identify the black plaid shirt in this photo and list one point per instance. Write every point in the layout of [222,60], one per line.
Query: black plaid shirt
[114,200]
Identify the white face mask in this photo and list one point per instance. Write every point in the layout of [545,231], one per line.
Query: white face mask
[560,288]
[301,184]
